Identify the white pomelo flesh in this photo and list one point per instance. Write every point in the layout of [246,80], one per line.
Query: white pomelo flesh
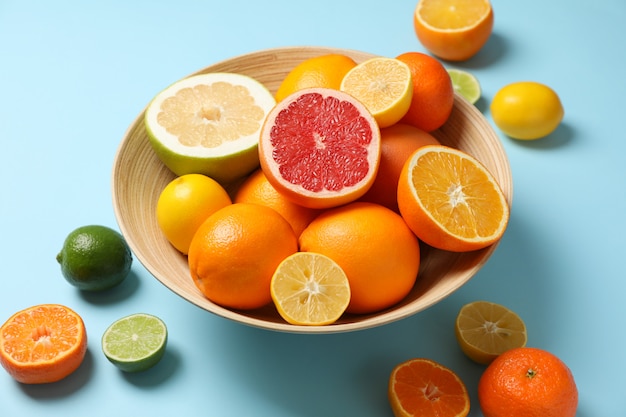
[209,124]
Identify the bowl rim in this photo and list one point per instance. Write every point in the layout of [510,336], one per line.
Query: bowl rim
[364,322]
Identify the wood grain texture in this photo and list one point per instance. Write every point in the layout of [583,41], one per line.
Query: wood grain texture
[138,178]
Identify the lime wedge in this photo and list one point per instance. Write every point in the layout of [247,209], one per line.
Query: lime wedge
[135,343]
[465,84]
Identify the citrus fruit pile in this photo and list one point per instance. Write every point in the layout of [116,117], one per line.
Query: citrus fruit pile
[46,343]
[316,199]
[347,172]
[455,30]
[517,380]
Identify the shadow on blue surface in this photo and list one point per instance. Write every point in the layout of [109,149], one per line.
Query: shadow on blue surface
[493,51]
[121,292]
[562,136]
[159,373]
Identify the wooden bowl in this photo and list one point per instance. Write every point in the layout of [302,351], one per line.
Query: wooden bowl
[139,177]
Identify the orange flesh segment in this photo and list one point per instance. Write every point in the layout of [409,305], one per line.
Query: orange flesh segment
[453,14]
[333,137]
[210,115]
[40,336]
[455,195]
[425,389]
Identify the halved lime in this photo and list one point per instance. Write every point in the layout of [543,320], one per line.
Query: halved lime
[135,343]
[466,84]
[209,124]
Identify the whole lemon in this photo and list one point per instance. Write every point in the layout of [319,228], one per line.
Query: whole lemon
[527,110]
[95,258]
[185,203]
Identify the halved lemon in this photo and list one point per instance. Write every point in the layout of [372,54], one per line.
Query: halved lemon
[209,124]
[383,85]
[485,330]
[310,289]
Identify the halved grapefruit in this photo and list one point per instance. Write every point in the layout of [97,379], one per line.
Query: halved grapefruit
[320,148]
[209,124]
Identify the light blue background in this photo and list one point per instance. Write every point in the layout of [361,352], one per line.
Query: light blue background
[74,75]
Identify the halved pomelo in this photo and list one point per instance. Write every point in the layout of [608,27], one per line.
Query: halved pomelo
[320,148]
[209,124]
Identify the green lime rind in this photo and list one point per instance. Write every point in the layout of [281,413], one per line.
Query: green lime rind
[135,343]
[465,84]
[95,258]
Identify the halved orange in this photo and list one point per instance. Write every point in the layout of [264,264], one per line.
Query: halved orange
[320,148]
[424,388]
[450,200]
[453,30]
[41,344]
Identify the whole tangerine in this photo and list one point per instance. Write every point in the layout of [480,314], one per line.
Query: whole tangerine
[527,382]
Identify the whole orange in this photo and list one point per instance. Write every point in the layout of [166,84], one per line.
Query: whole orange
[258,190]
[321,71]
[375,248]
[433,93]
[398,142]
[527,382]
[235,252]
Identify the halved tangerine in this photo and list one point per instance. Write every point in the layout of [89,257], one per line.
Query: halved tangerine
[43,343]
[320,148]
[425,388]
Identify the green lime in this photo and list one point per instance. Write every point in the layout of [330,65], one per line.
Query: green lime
[135,343]
[465,84]
[95,258]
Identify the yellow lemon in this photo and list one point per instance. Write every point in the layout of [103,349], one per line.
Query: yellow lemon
[185,203]
[384,85]
[527,110]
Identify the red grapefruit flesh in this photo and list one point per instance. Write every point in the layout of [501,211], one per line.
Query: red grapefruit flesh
[320,148]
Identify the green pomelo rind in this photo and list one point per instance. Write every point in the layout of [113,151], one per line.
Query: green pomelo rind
[223,169]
